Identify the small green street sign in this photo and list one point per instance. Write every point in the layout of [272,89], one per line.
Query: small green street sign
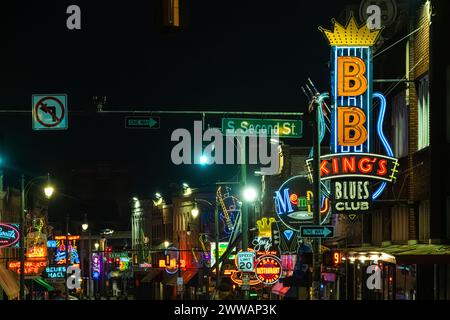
[284,128]
[142,122]
[317,232]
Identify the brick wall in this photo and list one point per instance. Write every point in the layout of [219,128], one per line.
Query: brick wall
[419,64]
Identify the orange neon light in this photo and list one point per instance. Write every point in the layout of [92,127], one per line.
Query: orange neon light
[337,258]
[351,130]
[351,79]
[36,252]
[173,263]
[65,237]
[31,267]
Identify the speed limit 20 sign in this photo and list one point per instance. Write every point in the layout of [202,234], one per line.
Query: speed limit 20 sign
[49,112]
[246,261]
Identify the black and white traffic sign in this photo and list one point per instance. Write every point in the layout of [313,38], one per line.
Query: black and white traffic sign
[246,261]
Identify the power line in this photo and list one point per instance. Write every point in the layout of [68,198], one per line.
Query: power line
[399,41]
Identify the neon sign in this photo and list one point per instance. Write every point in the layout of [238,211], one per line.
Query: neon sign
[96,266]
[30,267]
[230,208]
[268,269]
[353,123]
[9,235]
[293,202]
[72,250]
[55,272]
[356,165]
[223,246]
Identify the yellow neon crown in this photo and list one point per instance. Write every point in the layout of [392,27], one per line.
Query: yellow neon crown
[351,34]
[265,227]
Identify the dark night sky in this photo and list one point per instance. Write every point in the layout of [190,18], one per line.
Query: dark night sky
[231,55]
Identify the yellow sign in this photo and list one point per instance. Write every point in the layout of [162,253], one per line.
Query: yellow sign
[265,227]
[351,34]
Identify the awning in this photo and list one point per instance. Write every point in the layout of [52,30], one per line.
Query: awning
[9,282]
[279,289]
[44,284]
[151,275]
[411,254]
[187,276]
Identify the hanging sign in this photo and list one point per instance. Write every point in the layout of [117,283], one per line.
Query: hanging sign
[294,200]
[9,235]
[355,123]
[32,268]
[268,269]
[49,112]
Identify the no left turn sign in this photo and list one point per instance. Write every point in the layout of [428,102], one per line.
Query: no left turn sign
[49,112]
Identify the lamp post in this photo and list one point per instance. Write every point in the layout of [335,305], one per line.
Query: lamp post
[48,191]
[249,195]
[315,105]
[195,212]
[67,255]
[84,228]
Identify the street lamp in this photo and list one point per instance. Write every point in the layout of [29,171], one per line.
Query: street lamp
[203,160]
[250,194]
[187,191]
[84,226]
[48,192]
[195,212]
[158,199]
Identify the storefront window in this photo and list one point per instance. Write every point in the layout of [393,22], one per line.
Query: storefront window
[406,282]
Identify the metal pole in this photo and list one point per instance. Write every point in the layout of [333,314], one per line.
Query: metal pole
[22,241]
[244,205]
[90,267]
[82,264]
[67,254]
[179,264]
[317,206]
[216,233]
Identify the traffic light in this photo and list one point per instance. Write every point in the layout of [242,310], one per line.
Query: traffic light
[117,263]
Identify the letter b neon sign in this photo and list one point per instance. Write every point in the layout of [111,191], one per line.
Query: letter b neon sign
[351,79]
[351,129]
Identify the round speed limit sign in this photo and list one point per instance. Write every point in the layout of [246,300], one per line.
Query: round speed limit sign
[246,261]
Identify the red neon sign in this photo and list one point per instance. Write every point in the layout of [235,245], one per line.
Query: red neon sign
[357,165]
[268,269]
[31,267]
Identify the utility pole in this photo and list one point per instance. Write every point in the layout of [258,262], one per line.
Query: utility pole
[22,241]
[316,243]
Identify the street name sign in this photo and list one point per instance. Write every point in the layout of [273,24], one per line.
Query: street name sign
[317,231]
[49,112]
[284,128]
[142,122]
[246,261]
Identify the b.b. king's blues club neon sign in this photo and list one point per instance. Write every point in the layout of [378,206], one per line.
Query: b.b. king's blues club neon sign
[355,123]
